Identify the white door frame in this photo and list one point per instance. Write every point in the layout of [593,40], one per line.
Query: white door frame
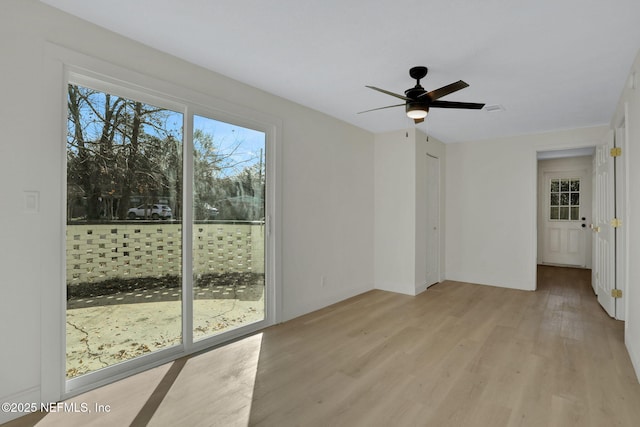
[621,139]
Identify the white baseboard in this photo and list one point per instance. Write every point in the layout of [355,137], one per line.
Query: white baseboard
[421,288]
[21,399]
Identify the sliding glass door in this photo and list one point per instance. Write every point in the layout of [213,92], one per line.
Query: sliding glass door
[130,294]
[228,226]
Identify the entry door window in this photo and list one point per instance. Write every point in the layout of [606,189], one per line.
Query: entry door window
[564,204]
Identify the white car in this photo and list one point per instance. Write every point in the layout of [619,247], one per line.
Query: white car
[150,211]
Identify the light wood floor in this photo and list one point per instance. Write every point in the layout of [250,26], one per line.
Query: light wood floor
[456,355]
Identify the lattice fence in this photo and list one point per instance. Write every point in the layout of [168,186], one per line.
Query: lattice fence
[100,252]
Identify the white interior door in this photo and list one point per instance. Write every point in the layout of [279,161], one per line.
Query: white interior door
[604,233]
[567,207]
[433,220]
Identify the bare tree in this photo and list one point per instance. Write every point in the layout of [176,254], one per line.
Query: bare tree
[117,148]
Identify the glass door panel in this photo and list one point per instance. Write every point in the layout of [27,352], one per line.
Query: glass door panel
[228,229]
[123,232]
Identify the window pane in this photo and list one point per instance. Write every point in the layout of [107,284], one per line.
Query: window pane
[554,214]
[555,199]
[575,185]
[124,180]
[575,199]
[555,185]
[564,185]
[564,199]
[228,230]
[564,213]
[575,213]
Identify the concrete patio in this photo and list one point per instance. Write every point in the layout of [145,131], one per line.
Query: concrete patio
[109,329]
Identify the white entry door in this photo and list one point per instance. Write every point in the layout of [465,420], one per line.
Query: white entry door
[433,220]
[604,233]
[566,212]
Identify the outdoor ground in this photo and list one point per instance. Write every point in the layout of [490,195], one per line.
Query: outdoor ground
[112,322]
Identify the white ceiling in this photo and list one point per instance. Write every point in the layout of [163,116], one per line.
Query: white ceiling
[552,64]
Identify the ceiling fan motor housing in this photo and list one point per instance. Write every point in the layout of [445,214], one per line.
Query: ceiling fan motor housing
[417,109]
[415,92]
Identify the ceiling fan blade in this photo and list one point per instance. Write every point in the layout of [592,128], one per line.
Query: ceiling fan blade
[445,90]
[416,121]
[389,93]
[382,108]
[452,104]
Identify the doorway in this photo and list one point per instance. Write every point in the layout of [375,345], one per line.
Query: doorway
[565,208]
[608,257]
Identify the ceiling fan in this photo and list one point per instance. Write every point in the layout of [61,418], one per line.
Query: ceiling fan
[418,100]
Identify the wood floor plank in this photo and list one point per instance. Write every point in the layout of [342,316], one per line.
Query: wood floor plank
[456,355]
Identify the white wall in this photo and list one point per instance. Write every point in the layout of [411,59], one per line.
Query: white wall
[395,211]
[630,100]
[581,163]
[400,209]
[491,189]
[326,171]
[22,168]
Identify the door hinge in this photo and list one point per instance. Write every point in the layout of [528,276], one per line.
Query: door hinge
[616,293]
[615,223]
[616,152]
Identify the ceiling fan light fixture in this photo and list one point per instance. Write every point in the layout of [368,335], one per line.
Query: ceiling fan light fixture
[417,101]
[417,111]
